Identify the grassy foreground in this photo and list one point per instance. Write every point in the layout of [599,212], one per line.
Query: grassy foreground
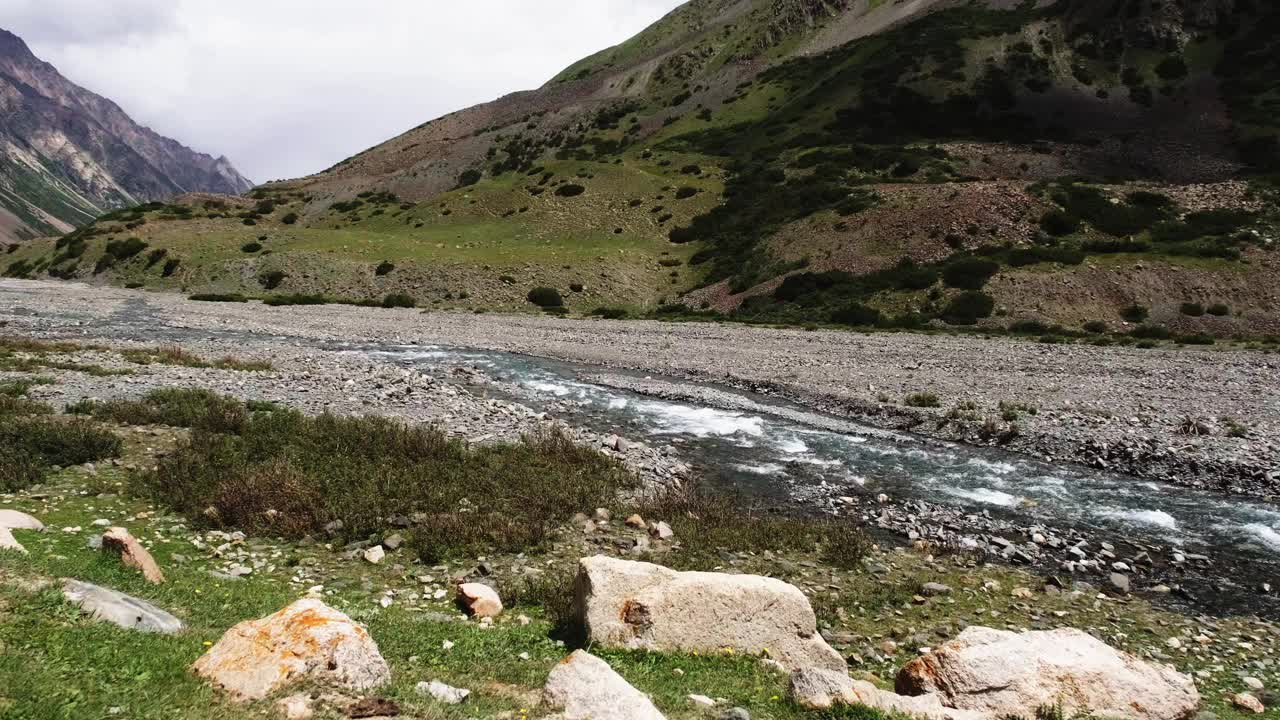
[56,663]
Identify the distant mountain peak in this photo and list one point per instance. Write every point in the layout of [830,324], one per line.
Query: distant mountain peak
[68,155]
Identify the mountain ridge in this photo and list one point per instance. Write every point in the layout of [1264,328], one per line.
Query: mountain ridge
[68,154]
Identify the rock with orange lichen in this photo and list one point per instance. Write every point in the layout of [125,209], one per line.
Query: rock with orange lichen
[306,640]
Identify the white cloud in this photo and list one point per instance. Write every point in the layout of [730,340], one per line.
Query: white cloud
[289,87]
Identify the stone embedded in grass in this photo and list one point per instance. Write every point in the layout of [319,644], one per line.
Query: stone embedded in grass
[375,554]
[441,692]
[661,531]
[8,542]
[14,520]
[1004,673]
[1248,703]
[635,605]
[307,640]
[116,607]
[480,600]
[118,541]
[584,687]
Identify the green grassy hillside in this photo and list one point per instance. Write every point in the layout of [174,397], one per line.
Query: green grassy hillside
[808,161]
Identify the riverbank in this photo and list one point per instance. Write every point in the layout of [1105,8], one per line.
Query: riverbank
[1201,418]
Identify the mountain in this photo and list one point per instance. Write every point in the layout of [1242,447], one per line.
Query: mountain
[1043,166]
[68,155]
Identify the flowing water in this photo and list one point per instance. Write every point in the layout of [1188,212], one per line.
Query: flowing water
[772,448]
[768,450]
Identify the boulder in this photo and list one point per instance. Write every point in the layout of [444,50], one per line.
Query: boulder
[818,689]
[634,605]
[584,687]
[118,541]
[1248,703]
[9,542]
[306,640]
[1004,673]
[480,600]
[14,520]
[116,607]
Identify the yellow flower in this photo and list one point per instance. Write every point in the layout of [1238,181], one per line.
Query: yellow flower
[208,643]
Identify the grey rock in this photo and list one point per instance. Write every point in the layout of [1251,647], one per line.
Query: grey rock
[120,609]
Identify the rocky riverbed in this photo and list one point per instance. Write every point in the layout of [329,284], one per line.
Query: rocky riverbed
[1205,418]
[1121,409]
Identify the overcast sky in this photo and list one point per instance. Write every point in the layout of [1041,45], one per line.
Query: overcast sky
[288,87]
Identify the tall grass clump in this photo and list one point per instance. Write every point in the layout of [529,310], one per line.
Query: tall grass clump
[175,407]
[31,446]
[290,475]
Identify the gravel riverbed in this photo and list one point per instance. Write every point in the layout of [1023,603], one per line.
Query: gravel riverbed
[1207,418]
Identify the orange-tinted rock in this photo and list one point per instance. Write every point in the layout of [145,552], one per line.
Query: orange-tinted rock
[118,540]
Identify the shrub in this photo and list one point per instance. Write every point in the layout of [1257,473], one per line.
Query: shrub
[251,247]
[610,313]
[170,267]
[970,273]
[1096,327]
[923,400]
[290,218]
[1172,68]
[399,300]
[362,471]
[219,297]
[1028,327]
[175,407]
[545,297]
[691,170]
[1058,223]
[1135,313]
[469,178]
[577,287]
[670,262]
[856,314]
[295,299]
[384,268]
[272,280]
[1196,339]
[686,192]
[124,249]
[570,190]
[30,446]
[1151,332]
[1219,310]
[967,308]
[1192,309]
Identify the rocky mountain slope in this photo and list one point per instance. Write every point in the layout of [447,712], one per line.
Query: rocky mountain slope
[68,155]
[1039,165]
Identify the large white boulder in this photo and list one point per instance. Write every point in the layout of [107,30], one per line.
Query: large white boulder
[1006,673]
[818,689]
[584,687]
[14,520]
[8,542]
[634,605]
[306,640]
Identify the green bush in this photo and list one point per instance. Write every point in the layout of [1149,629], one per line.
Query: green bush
[124,249]
[1196,339]
[1028,327]
[969,273]
[1151,332]
[272,280]
[545,297]
[364,471]
[1096,327]
[295,299]
[1219,310]
[290,218]
[967,308]
[686,192]
[175,407]
[29,447]
[1192,309]
[856,314]
[251,247]
[570,190]
[384,268]
[1059,223]
[469,178]
[399,300]
[1135,313]
[610,313]
[923,400]
[219,297]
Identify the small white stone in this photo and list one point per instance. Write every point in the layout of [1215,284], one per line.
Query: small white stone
[375,554]
[444,693]
[702,700]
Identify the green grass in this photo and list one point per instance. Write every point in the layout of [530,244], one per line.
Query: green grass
[175,355]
